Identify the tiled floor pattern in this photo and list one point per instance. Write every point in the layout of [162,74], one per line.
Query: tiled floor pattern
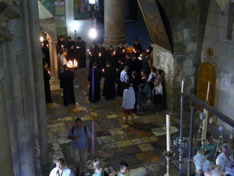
[141,144]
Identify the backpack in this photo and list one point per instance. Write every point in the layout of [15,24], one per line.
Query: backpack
[85,130]
[146,89]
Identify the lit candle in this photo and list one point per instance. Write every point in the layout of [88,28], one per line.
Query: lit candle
[88,50]
[47,45]
[168,133]
[208,91]
[103,70]
[182,86]
[62,46]
[100,54]
[134,50]
[114,52]
[147,50]
[123,50]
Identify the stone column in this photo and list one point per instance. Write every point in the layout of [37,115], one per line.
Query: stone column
[114,20]
[24,92]
[6,166]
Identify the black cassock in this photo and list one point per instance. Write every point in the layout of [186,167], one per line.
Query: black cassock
[46,51]
[111,58]
[92,53]
[71,49]
[120,53]
[81,53]
[47,86]
[138,48]
[60,46]
[66,82]
[100,57]
[109,84]
[94,77]
[119,83]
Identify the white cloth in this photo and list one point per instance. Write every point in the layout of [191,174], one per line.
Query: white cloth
[128,98]
[66,172]
[225,163]
[124,76]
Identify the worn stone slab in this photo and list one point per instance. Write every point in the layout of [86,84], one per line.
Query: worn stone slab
[112,116]
[107,124]
[87,117]
[136,141]
[109,142]
[147,157]
[153,138]
[146,147]
[124,143]
[162,130]
[145,139]
[68,118]
[94,114]
[117,131]
[52,105]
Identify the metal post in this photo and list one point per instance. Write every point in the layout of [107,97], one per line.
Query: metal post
[181,134]
[193,109]
[168,156]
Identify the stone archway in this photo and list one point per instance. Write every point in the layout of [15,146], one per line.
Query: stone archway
[207,73]
[50,30]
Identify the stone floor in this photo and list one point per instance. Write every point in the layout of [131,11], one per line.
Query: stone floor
[140,145]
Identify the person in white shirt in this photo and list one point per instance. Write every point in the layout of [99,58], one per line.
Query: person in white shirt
[124,74]
[128,101]
[225,159]
[61,169]
[124,78]
[62,61]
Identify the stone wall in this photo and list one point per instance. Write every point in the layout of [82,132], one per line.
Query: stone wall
[185,28]
[222,59]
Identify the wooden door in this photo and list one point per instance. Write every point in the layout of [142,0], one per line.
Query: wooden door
[206,73]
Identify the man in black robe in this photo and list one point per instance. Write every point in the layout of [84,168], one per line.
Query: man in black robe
[71,45]
[47,83]
[92,52]
[119,84]
[81,52]
[120,52]
[109,83]
[128,62]
[137,47]
[66,82]
[61,45]
[94,78]
[100,56]
[46,51]
[111,58]
[136,65]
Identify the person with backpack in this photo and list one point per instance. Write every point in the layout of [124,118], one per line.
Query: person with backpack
[81,140]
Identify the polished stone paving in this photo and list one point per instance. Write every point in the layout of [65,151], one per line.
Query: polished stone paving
[140,144]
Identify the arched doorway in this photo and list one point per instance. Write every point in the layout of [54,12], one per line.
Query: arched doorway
[206,73]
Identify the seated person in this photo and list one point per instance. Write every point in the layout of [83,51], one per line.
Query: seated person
[123,169]
[61,168]
[98,169]
[225,159]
